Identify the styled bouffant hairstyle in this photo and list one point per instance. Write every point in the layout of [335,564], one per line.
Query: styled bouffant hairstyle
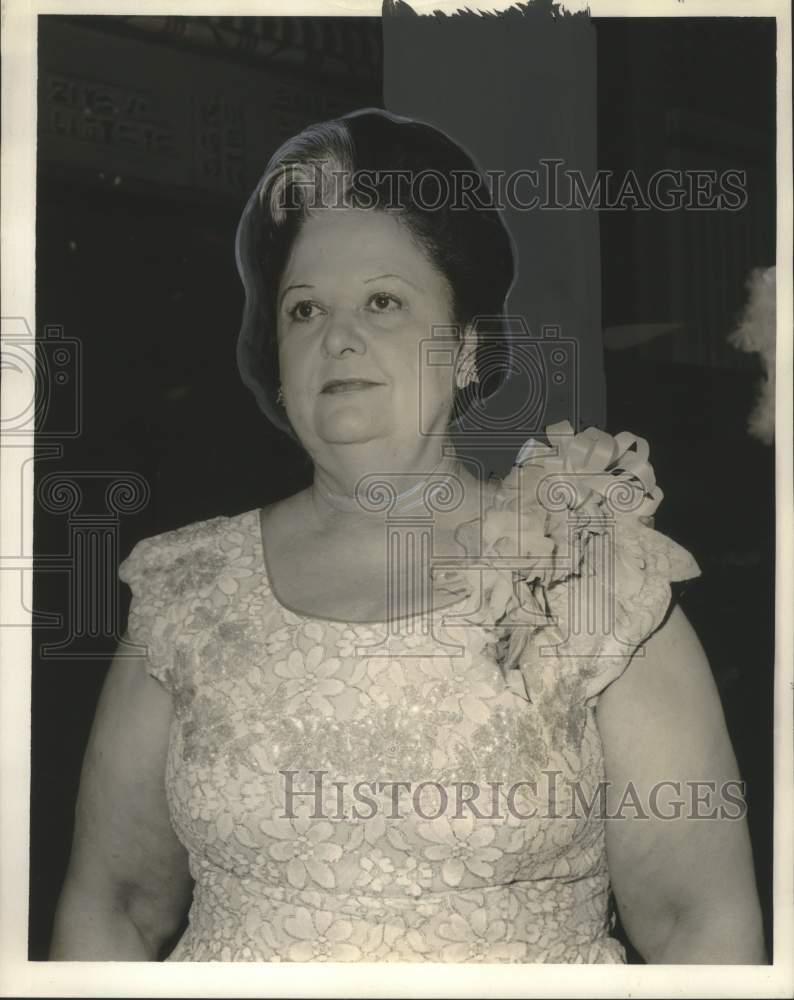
[374,160]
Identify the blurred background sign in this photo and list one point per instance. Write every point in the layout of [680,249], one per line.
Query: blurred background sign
[131,98]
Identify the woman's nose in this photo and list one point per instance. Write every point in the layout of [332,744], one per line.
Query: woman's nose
[342,332]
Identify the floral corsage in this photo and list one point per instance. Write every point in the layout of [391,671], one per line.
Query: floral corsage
[578,510]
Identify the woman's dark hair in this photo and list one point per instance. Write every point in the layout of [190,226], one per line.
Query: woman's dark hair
[375,160]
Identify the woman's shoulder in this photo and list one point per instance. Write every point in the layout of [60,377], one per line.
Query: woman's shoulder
[172,556]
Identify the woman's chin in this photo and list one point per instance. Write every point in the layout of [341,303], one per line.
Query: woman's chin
[350,428]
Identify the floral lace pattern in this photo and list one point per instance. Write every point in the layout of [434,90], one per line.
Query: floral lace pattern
[405,792]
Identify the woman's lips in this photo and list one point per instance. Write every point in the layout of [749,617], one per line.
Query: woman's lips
[348,385]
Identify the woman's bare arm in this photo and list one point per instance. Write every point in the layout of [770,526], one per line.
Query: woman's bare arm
[128,884]
[685,887]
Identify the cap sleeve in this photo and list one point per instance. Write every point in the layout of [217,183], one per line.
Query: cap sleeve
[148,572]
[172,576]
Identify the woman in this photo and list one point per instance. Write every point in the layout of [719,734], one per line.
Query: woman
[368,724]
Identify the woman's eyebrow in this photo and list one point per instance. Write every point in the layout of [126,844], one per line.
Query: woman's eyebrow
[289,288]
[399,278]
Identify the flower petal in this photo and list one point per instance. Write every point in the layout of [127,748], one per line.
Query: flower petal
[328,852]
[479,867]
[456,929]
[437,852]
[301,925]
[282,851]
[474,709]
[296,873]
[458,952]
[452,871]
[345,953]
[340,930]
[301,951]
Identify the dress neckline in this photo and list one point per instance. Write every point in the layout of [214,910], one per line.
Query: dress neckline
[256,516]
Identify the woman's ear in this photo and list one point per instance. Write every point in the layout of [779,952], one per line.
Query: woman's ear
[466,364]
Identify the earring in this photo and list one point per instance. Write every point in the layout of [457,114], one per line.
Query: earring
[280,396]
[467,371]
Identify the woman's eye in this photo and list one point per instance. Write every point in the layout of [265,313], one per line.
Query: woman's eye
[383,302]
[304,311]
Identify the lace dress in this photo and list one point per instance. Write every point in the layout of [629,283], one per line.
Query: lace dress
[413,791]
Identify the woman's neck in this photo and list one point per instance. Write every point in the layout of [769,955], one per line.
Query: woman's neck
[431,486]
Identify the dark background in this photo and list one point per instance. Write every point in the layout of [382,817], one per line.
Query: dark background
[152,132]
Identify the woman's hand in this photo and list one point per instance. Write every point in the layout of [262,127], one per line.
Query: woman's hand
[128,883]
[685,887]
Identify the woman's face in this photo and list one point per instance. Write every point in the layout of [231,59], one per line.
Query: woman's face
[357,300]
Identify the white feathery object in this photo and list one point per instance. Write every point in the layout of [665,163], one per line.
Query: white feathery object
[755,334]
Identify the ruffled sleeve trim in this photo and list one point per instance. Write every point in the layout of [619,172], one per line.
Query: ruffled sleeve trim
[148,620]
[164,573]
[631,584]
[573,575]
